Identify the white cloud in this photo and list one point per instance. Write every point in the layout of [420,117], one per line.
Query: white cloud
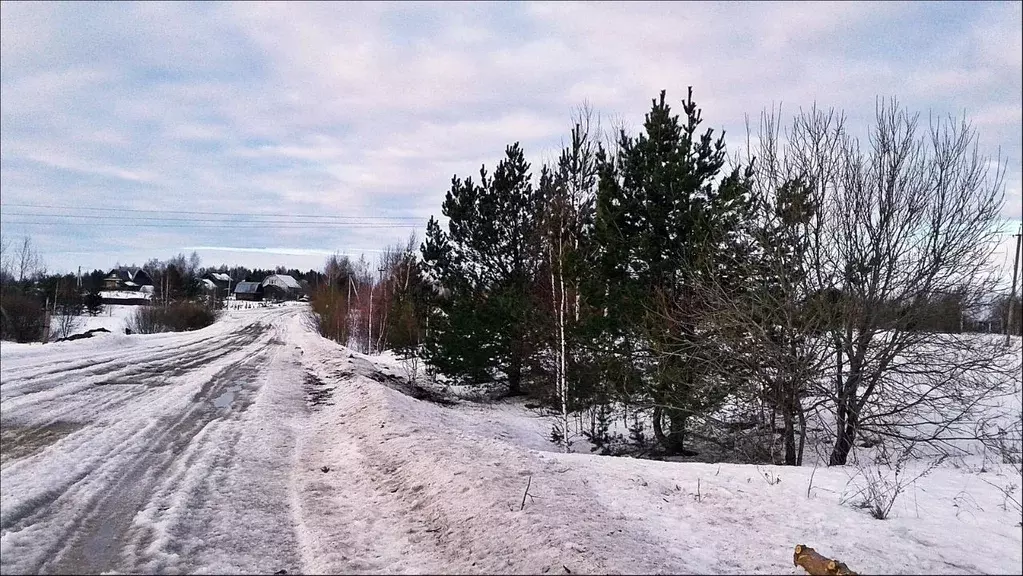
[369,108]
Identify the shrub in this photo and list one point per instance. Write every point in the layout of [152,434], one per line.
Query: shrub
[64,323]
[330,306]
[22,317]
[885,481]
[178,317]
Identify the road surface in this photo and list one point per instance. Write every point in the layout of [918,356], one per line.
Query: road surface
[168,452]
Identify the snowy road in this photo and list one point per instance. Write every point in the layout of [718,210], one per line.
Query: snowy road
[167,452]
[255,446]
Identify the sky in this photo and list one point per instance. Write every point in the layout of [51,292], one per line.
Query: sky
[265,134]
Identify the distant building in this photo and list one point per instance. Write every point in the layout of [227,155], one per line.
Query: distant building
[221,280]
[127,279]
[281,287]
[248,291]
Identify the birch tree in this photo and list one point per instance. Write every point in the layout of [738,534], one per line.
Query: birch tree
[567,197]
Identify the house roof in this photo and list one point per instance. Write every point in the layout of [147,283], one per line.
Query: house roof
[220,277]
[208,284]
[130,274]
[247,288]
[282,281]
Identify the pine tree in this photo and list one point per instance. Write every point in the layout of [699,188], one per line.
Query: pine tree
[484,267]
[661,222]
[93,302]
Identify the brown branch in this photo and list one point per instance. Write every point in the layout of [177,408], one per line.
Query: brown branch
[526,493]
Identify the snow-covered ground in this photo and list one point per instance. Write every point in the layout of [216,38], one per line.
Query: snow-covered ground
[255,445]
[126,294]
[113,317]
[466,467]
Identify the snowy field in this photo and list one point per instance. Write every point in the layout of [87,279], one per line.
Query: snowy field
[113,317]
[255,445]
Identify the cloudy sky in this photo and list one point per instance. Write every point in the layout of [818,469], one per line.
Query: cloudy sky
[132,131]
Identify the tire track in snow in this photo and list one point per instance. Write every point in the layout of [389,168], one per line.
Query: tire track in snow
[91,513]
[108,460]
[96,546]
[99,388]
[221,511]
[21,387]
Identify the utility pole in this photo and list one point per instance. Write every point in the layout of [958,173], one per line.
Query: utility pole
[348,313]
[380,333]
[369,339]
[1012,295]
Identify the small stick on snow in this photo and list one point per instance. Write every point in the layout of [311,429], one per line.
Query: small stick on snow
[810,485]
[526,493]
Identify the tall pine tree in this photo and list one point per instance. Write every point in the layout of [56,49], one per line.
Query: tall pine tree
[661,220]
[484,267]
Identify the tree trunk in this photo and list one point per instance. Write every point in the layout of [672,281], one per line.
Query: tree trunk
[515,372]
[658,429]
[674,441]
[790,436]
[840,452]
[802,433]
[561,341]
[844,442]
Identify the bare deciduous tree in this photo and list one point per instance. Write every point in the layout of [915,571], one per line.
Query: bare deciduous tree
[26,260]
[905,219]
[5,258]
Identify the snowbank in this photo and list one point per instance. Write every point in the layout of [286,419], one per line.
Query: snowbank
[455,477]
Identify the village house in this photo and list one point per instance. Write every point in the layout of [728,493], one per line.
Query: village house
[248,291]
[281,287]
[127,279]
[221,280]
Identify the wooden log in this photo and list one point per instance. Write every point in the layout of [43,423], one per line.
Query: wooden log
[817,565]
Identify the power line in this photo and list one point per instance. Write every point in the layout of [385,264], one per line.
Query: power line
[353,219]
[201,212]
[227,225]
